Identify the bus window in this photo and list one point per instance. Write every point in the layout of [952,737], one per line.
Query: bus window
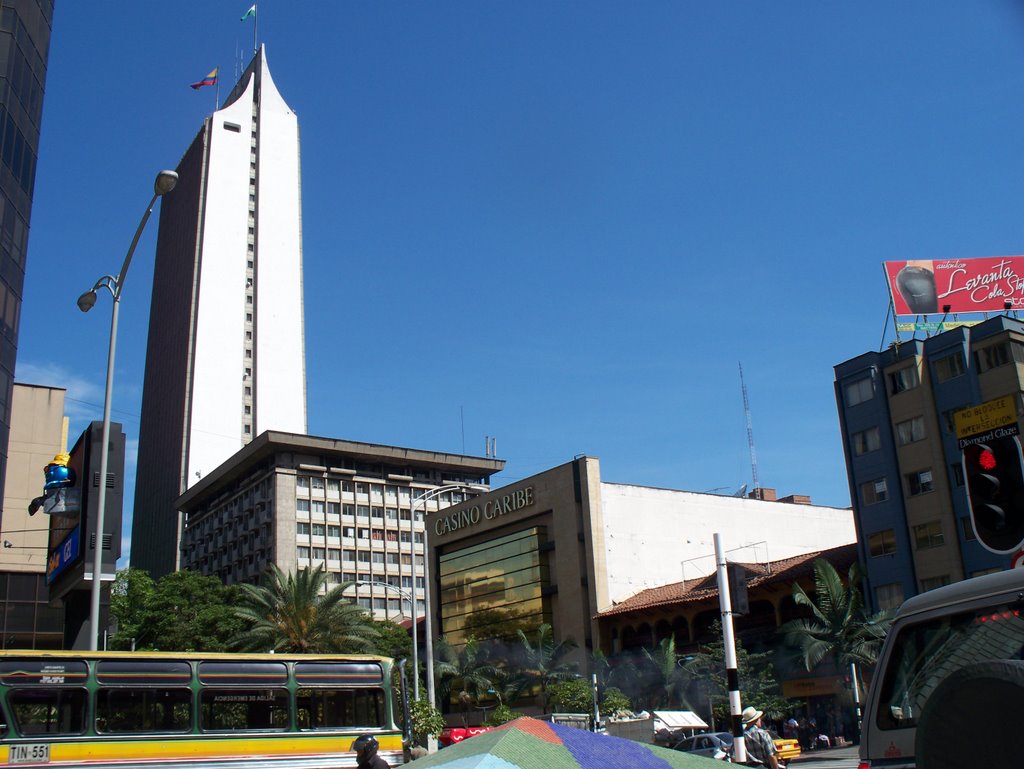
[332,708]
[243,709]
[125,710]
[48,711]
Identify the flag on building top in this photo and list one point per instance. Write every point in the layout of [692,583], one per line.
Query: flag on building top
[210,79]
[250,12]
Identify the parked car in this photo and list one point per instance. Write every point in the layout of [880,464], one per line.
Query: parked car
[715,745]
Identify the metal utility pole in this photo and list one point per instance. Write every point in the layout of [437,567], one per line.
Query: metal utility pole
[750,437]
[731,665]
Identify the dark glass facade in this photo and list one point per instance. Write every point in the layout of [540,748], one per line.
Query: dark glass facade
[24,48]
[492,589]
[26,620]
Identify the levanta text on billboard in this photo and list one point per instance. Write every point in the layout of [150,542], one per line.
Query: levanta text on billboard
[980,284]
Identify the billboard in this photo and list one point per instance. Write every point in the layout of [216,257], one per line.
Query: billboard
[983,284]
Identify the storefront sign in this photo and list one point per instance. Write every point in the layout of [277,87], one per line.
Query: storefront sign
[491,509]
[810,687]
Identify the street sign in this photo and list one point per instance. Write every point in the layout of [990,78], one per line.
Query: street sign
[1017,562]
[997,416]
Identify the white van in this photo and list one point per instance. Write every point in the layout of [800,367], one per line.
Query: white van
[949,687]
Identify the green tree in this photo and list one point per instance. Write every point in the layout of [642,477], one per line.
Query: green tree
[182,611]
[291,613]
[665,676]
[756,672]
[391,640]
[543,662]
[130,597]
[839,628]
[464,673]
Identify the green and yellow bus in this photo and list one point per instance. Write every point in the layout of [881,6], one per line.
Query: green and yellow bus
[162,709]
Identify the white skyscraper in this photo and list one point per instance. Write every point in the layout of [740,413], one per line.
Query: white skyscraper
[225,359]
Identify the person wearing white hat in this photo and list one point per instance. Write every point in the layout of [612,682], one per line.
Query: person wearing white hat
[760,746]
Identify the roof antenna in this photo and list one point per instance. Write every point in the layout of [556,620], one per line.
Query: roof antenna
[750,437]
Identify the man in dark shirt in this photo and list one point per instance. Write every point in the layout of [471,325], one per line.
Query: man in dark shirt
[365,747]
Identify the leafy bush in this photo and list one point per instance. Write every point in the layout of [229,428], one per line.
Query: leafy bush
[614,703]
[426,720]
[501,715]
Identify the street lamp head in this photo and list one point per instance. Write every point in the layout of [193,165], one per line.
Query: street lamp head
[165,181]
[87,300]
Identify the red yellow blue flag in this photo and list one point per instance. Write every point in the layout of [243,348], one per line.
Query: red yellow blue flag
[210,79]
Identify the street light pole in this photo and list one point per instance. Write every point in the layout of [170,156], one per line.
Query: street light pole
[428,624]
[164,183]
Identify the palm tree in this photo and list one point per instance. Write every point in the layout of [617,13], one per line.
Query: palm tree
[666,679]
[543,662]
[291,613]
[839,627]
[467,671]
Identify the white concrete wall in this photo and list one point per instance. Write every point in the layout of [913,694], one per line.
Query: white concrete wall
[278,362]
[280,349]
[649,533]
[215,427]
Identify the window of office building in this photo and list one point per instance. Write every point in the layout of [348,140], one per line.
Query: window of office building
[950,366]
[333,486]
[866,440]
[909,431]
[302,552]
[393,558]
[994,356]
[874,491]
[333,508]
[928,535]
[333,554]
[882,543]
[363,556]
[318,507]
[319,530]
[378,558]
[302,505]
[302,483]
[904,379]
[889,596]
[919,482]
[859,391]
[333,530]
[302,529]
[319,553]
[490,590]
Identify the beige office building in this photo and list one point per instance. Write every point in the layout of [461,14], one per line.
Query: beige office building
[38,432]
[299,501]
[562,546]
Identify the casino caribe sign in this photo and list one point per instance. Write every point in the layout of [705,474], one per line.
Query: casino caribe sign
[493,508]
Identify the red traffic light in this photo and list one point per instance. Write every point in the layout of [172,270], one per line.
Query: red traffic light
[986,459]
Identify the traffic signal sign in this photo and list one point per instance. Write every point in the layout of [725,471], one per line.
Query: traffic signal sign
[994,473]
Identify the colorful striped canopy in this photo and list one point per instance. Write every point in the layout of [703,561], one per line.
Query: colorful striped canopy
[527,743]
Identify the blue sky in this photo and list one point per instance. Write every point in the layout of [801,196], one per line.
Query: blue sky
[561,224]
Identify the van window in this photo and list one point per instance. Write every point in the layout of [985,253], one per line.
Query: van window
[925,653]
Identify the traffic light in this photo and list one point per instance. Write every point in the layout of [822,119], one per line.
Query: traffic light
[995,490]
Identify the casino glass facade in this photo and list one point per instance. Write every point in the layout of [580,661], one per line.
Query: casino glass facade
[492,589]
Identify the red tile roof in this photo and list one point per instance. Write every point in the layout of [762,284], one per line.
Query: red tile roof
[786,571]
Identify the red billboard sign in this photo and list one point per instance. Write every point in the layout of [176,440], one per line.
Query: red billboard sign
[983,284]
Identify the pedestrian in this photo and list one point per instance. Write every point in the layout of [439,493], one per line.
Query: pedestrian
[365,747]
[760,746]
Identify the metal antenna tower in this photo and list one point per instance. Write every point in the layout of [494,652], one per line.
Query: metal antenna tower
[750,436]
